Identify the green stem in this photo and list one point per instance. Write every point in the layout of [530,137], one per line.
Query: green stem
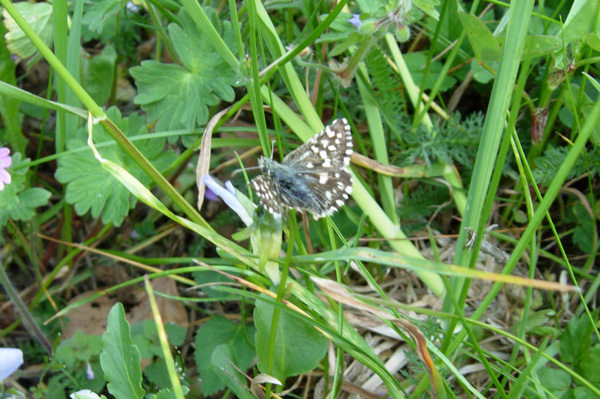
[54,62]
[357,57]
[156,176]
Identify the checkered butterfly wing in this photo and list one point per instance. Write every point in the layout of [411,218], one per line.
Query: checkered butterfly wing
[314,177]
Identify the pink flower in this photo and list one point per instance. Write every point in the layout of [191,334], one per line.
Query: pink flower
[5,161]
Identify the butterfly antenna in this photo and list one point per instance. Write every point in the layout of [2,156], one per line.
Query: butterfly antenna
[238,170]
[243,168]
[273,148]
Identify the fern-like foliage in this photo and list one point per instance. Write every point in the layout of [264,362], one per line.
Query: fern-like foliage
[420,204]
[547,165]
[454,142]
[387,90]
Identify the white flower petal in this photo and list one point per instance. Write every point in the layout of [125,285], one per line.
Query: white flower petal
[84,394]
[228,196]
[10,360]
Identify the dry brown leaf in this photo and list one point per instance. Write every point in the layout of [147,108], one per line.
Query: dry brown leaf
[91,317]
[203,165]
[171,311]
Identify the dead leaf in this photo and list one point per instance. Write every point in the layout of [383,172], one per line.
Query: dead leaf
[203,165]
[91,317]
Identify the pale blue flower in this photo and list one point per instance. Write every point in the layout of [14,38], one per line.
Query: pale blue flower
[229,197]
[131,6]
[355,20]
[10,360]
[5,161]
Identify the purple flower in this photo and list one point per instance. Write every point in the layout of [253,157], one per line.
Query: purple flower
[210,195]
[5,161]
[229,197]
[355,20]
[10,360]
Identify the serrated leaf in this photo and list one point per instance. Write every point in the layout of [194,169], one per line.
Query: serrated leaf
[292,333]
[39,17]
[590,364]
[120,359]
[90,187]
[16,201]
[178,96]
[576,339]
[221,331]
[100,14]
[223,358]
[85,346]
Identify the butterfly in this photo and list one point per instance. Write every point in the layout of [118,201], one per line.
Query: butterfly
[314,177]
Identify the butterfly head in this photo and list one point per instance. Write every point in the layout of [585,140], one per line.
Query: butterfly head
[266,165]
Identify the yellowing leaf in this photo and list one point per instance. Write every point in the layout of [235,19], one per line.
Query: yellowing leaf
[39,16]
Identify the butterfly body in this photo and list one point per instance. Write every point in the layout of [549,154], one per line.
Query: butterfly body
[314,177]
